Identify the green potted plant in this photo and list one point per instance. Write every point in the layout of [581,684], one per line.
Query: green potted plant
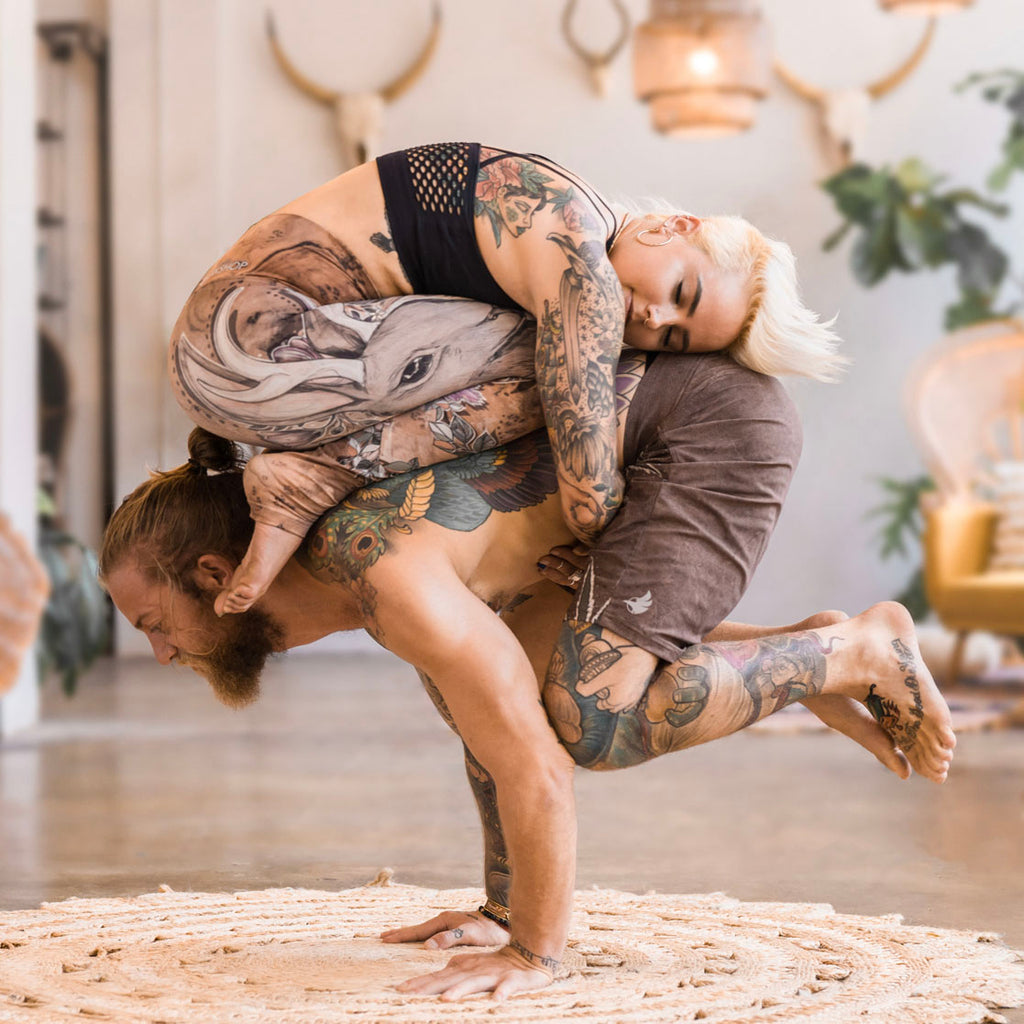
[76,623]
[907,219]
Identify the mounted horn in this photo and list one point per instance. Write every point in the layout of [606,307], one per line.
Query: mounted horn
[845,111]
[405,81]
[358,116]
[598,64]
[307,85]
[886,85]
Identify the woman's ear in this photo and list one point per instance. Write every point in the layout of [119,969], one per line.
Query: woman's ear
[682,223]
[212,573]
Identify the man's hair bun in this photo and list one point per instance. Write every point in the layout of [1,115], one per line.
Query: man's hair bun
[214,454]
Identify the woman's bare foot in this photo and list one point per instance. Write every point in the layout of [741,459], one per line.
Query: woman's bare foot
[269,551]
[886,672]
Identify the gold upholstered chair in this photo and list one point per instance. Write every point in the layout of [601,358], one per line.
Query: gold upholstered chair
[966,408]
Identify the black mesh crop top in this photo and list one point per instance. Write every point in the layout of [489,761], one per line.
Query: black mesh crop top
[429,198]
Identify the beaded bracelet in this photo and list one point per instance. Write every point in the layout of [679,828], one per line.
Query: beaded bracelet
[495,912]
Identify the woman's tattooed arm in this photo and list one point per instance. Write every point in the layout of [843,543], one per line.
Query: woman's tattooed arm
[555,261]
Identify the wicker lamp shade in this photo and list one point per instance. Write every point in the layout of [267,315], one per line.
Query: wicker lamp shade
[702,65]
[928,8]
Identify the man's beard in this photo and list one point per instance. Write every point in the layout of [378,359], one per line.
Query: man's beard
[241,646]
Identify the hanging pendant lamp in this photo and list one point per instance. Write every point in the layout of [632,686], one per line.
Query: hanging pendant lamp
[928,8]
[702,65]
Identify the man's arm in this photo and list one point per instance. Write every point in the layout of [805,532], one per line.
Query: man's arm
[430,619]
[497,869]
[497,872]
[468,928]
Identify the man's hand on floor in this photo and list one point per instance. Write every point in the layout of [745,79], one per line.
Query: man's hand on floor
[503,973]
[452,928]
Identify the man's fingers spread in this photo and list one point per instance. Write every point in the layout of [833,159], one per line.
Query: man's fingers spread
[503,990]
[416,932]
[466,988]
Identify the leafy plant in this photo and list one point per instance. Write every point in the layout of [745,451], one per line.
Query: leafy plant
[1006,88]
[76,623]
[907,220]
[900,533]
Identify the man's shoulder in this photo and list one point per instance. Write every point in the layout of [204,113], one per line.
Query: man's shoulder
[458,495]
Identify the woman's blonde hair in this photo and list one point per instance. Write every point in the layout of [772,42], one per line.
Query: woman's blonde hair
[779,334]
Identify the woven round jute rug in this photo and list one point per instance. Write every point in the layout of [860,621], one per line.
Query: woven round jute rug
[297,956]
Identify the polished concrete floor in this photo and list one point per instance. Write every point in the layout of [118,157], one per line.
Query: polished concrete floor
[343,767]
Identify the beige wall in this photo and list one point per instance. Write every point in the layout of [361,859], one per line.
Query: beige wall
[17,305]
[68,181]
[209,137]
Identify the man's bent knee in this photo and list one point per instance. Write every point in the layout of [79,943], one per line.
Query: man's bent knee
[593,712]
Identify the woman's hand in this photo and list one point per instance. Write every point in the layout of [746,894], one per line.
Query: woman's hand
[452,928]
[503,973]
[565,565]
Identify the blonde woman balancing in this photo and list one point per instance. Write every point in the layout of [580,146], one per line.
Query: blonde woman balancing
[299,340]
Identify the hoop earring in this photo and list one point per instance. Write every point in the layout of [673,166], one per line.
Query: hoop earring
[652,231]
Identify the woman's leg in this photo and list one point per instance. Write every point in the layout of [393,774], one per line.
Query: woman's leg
[289,491]
[615,705]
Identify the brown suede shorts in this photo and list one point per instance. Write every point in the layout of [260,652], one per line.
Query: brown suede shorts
[710,448]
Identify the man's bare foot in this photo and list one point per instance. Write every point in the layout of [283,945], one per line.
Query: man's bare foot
[851,718]
[269,551]
[887,673]
[819,620]
[729,631]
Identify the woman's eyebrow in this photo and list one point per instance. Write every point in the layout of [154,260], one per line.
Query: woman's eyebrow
[696,295]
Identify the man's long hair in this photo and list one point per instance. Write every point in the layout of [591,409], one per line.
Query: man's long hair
[168,522]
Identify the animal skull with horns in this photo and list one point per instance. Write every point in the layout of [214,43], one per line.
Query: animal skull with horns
[844,112]
[598,63]
[358,115]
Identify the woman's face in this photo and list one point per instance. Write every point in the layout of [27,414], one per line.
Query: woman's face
[677,299]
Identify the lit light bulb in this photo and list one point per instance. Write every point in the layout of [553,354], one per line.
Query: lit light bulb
[704,62]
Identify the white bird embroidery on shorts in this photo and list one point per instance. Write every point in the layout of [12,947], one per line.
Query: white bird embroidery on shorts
[639,605]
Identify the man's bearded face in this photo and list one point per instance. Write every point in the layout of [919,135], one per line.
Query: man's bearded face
[239,648]
[183,629]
